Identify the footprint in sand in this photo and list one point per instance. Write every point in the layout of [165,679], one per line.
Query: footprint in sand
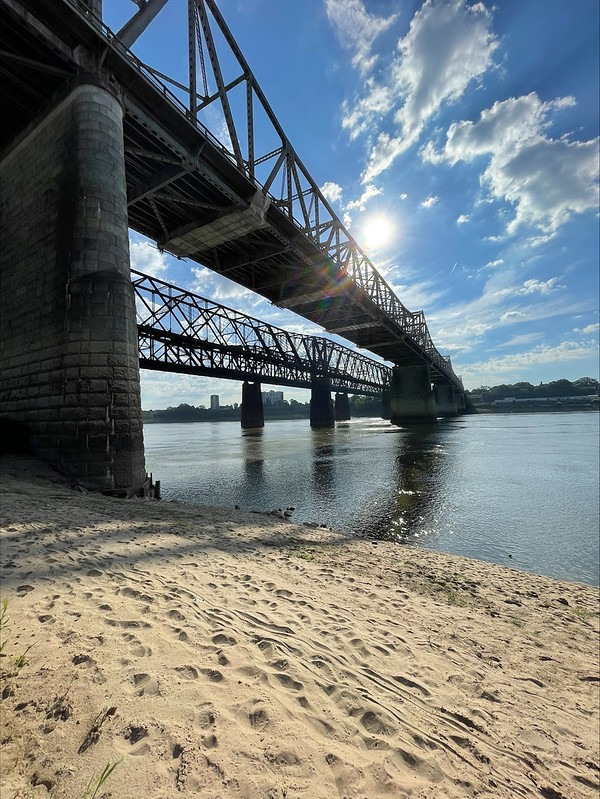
[187,672]
[258,718]
[145,684]
[221,639]
[206,718]
[213,675]
[180,634]
[374,724]
[288,682]
[85,660]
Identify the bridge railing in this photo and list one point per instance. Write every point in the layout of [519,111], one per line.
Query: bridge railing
[276,170]
[176,317]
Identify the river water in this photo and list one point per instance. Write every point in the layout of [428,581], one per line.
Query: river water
[512,489]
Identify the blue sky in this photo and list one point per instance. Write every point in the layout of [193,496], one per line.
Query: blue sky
[458,142]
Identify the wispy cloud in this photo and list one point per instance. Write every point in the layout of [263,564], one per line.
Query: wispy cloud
[359,205]
[463,219]
[504,302]
[356,29]
[431,200]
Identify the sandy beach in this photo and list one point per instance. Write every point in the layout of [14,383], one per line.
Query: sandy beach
[222,654]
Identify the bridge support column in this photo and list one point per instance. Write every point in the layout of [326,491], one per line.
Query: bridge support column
[412,400]
[70,370]
[461,405]
[321,404]
[386,404]
[445,402]
[342,407]
[252,406]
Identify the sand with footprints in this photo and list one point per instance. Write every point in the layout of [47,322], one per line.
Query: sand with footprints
[224,654]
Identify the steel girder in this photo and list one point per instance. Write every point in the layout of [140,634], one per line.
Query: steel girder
[279,172]
[181,331]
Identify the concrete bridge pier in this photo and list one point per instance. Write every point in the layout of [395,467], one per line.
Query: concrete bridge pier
[461,403]
[321,404]
[253,414]
[412,400]
[386,404]
[342,407]
[70,372]
[445,402]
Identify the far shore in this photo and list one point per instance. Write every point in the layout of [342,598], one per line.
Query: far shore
[213,653]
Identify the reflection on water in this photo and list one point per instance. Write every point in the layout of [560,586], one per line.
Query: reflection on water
[516,490]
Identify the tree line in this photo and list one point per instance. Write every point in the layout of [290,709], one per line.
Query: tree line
[582,387]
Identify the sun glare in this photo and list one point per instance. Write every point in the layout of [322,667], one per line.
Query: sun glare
[377,232]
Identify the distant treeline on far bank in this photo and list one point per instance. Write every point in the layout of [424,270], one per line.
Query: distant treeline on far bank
[581,394]
[281,409]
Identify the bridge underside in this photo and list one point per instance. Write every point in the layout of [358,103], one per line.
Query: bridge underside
[91,145]
[184,190]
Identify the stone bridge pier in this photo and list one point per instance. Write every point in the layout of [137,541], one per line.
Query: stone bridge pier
[412,400]
[70,372]
[253,414]
[445,401]
[321,405]
[342,407]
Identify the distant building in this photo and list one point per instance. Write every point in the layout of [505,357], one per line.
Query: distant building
[271,397]
[214,402]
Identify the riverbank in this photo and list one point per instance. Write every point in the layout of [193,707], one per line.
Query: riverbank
[226,654]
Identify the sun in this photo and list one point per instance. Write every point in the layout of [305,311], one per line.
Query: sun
[377,231]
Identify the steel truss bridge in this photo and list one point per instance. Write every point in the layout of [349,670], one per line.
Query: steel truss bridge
[179,331]
[245,207]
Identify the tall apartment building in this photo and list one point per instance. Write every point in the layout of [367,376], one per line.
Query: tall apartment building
[271,397]
[214,402]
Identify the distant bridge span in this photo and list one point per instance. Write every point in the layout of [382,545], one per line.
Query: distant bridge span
[179,331]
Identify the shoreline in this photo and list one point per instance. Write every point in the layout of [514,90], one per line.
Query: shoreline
[247,656]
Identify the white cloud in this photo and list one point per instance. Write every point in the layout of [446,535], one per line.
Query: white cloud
[543,286]
[545,180]
[494,264]
[431,200]
[356,29]
[588,329]
[145,257]
[369,192]
[459,36]
[331,191]
[463,219]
